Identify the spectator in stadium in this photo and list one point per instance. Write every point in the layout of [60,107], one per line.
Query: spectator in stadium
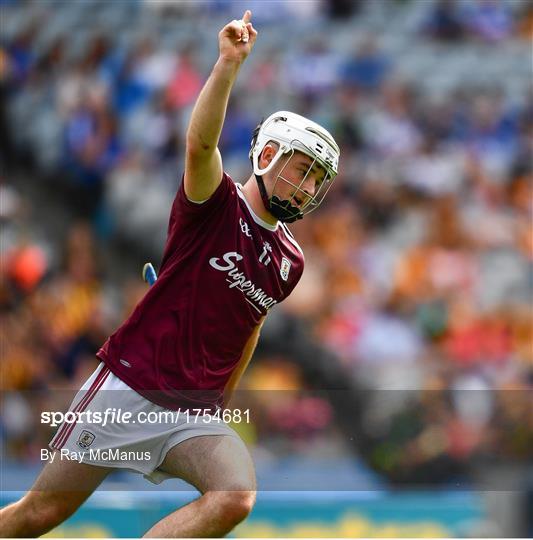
[367,68]
[444,22]
[315,72]
[186,81]
[488,20]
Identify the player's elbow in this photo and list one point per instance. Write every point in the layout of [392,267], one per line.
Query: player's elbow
[196,145]
[196,150]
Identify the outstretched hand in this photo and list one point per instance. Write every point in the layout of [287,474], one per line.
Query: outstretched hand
[237,38]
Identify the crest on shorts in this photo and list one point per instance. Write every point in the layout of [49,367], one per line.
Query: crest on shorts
[85,439]
[285,268]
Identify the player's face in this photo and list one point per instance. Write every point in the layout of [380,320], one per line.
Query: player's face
[296,177]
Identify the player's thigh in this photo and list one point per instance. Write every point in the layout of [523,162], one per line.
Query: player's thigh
[64,485]
[212,463]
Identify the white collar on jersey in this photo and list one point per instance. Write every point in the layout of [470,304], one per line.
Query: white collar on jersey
[255,217]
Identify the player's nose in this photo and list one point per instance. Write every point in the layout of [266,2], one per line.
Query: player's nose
[309,186]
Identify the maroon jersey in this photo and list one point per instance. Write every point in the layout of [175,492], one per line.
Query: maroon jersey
[223,269]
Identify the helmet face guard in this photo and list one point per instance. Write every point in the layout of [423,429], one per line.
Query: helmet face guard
[294,133]
[280,208]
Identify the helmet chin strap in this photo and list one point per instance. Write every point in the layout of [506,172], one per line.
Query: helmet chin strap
[282,210]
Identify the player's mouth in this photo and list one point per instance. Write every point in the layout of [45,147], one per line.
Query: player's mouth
[297,200]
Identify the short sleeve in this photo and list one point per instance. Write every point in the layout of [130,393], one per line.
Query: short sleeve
[188,217]
[185,211]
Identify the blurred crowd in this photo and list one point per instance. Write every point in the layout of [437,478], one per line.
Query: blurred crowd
[418,266]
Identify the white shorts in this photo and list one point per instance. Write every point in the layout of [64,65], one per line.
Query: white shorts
[139,445]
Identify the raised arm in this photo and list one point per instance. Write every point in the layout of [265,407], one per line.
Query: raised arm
[203,163]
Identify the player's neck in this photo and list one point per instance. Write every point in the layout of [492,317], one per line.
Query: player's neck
[253,197]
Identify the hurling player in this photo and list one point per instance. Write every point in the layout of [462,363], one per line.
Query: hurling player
[229,259]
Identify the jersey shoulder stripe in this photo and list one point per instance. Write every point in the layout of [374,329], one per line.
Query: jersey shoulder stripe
[291,238]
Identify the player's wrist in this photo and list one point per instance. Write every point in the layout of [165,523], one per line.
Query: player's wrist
[230,61]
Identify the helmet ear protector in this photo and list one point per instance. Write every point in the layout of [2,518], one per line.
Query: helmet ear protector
[293,132]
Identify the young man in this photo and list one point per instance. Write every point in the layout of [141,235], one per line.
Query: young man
[229,258]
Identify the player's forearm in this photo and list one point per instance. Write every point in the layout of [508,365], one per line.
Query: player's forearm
[246,356]
[209,111]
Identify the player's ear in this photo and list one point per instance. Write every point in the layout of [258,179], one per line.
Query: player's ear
[267,154]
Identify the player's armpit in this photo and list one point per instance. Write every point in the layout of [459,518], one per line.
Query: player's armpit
[203,173]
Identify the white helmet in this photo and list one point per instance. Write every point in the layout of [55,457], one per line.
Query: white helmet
[293,132]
